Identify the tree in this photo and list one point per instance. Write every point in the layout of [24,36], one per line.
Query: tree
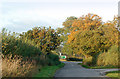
[65,31]
[46,39]
[69,21]
[90,36]
[88,22]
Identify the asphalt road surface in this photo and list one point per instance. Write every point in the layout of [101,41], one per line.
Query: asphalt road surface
[72,69]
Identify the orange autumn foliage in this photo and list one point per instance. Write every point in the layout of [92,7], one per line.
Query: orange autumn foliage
[90,21]
[89,35]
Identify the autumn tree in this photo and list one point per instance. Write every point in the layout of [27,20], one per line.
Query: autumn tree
[89,35]
[65,31]
[46,39]
[67,27]
[69,21]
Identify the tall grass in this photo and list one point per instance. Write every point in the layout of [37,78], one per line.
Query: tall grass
[16,67]
[109,58]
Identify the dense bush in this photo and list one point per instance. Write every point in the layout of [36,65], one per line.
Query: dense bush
[88,61]
[53,59]
[109,58]
[11,43]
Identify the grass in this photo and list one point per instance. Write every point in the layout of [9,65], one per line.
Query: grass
[16,67]
[113,74]
[97,67]
[48,71]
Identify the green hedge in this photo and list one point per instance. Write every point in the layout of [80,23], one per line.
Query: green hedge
[53,59]
[74,59]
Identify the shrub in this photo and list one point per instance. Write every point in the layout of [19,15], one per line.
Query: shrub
[11,42]
[101,59]
[53,59]
[88,61]
[109,58]
[74,59]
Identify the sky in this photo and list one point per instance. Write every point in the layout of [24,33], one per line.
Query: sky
[23,15]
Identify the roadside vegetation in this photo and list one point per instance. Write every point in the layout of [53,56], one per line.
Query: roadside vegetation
[26,54]
[98,67]
[113,74]
[106,60]
[16,67]
[74,59]
[91,39]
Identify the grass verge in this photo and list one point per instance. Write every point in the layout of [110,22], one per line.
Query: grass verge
[97,67]
[113,74]
[48,71]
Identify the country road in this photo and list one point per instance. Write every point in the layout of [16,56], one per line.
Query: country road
[72,69]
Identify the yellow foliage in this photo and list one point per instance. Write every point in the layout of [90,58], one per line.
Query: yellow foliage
[87,21]
[109,58]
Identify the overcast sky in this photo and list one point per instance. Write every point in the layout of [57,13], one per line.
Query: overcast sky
[22,15]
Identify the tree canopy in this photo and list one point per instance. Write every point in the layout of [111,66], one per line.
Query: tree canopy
[89,35]
[46,39]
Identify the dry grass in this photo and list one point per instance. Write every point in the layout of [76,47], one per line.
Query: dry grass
[16,67]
